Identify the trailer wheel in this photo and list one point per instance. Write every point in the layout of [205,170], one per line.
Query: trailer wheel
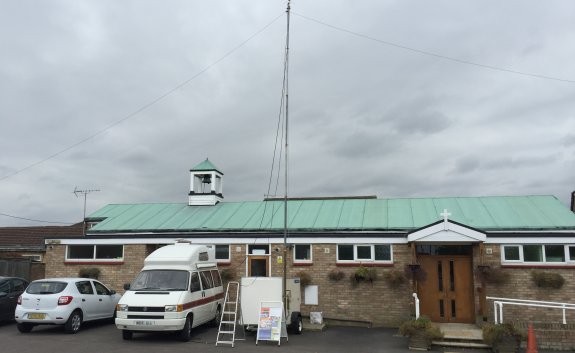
[296,325]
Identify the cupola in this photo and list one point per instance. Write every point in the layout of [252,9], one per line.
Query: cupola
[205,185]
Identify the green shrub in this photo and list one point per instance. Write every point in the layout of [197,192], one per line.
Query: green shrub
[421,324]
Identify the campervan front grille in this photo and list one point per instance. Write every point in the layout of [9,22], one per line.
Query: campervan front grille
[147,309]
[152,317]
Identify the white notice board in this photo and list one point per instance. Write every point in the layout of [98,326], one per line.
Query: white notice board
[311,295]
[270,324]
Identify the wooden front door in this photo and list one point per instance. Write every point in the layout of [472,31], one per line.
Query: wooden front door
[258,266]
[446,293]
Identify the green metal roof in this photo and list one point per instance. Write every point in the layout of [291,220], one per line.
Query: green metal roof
[485,213]
[205,166]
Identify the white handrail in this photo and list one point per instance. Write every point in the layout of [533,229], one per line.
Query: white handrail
[498,304]
[414,295]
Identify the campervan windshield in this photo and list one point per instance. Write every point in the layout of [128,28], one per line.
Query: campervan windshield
[162,280]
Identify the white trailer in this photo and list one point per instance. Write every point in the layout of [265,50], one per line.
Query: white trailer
[257,290]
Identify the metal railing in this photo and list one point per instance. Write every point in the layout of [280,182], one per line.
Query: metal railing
[499,302]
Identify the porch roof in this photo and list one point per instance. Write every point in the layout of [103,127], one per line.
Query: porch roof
[492,213]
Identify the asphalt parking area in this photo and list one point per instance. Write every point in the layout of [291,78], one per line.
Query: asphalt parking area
[105,337]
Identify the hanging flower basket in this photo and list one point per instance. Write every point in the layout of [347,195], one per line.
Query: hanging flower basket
[493,275]
[547,279]
[336,275]
[415,272]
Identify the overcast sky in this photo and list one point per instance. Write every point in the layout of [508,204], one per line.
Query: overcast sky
[91,97]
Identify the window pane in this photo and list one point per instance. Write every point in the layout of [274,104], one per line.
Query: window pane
[217,278]
[572,253]
[345,252]
[259,249]
[206,277]
[100,289]
[109,251]
[511,253]
[364,252]
[303,252]
[80,251]
[532,253]
[222,252]
[195,283]
[84,287]
[382,252]
[554,253]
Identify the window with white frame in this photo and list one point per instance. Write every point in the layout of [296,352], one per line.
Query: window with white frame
[223,253]
[95,253]
[302,253]
[364,253]
[538,253]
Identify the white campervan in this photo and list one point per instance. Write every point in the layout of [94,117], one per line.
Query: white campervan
[179,288]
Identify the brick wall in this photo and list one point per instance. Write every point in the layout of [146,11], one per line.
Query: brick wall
[376,303]
[113,275]
[549,329]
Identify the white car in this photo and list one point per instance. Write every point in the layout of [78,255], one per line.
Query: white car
[64,301]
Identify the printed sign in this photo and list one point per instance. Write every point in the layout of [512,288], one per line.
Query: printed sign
[270,321]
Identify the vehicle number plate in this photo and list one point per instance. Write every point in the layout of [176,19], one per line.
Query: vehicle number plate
[145,323]
[36,316]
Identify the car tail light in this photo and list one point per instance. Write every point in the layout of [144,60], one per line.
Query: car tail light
[65,300]
[19,302]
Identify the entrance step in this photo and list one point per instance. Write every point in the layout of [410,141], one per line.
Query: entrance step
[461,335]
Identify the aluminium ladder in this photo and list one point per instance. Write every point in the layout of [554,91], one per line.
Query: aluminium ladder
[229,318]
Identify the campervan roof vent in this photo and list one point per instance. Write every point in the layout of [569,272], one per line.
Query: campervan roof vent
[183,241]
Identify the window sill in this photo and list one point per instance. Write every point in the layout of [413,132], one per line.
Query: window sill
[307,263]
[369,264]
[94,262]
[543,265]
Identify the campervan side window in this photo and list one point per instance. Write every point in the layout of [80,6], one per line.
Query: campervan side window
[217,278]
[206,277]
[195,283]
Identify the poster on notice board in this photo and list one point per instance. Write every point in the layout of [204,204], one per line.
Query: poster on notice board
[270,321]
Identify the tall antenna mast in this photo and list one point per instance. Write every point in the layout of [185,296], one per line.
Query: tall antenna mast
[84,192]
[286,71]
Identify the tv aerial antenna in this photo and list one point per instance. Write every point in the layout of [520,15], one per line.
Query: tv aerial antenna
[84,192]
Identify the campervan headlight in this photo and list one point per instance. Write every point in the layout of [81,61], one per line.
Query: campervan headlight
[122,307]
[173,308]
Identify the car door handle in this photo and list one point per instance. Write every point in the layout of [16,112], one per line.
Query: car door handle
[83,300]
[99,299]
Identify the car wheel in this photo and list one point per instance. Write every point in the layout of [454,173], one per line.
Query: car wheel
[74,322]
[127,335]
[24,327]
[216,321]
[186,332]
[296,326]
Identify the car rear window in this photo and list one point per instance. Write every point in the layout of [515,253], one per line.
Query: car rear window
[46,287]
